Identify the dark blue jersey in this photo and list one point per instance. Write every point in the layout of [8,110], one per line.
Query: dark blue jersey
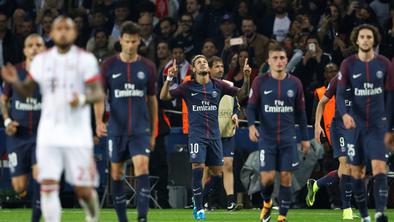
[331,92]
[25,111]
[202,101]
[368,82]
[128,85]
[279,105]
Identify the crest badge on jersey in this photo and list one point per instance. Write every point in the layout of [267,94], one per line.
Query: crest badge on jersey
[141,75]
[214,94]
[290,93]
[379,74]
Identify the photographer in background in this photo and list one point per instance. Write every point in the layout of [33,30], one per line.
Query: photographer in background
[310,71]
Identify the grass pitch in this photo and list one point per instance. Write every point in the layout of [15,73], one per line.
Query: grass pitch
[108,215]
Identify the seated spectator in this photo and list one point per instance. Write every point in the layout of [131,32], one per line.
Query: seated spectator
[163,55]
[209,49]
[184,35]
[254,40]
[122,14]
[167,28]
[148,38]
[277,24]
[81,21]
[310,71]
[101,46]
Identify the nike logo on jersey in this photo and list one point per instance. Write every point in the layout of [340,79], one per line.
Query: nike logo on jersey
[355,76]
[267,92]
[193,94]
[294,164]
[116,75]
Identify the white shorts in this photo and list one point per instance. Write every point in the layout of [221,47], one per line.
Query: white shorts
[78,164]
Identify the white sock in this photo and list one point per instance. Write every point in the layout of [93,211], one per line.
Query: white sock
[50,203]
[91,207]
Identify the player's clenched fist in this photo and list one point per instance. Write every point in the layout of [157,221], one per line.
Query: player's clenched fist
[9,73]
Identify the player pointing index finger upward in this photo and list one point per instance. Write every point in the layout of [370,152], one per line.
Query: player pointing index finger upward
[202,95]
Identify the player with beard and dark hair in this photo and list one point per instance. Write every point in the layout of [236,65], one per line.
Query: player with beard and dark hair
[370,79]
[69,81]
[202,96]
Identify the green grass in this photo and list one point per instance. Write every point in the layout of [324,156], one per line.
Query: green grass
[108,215]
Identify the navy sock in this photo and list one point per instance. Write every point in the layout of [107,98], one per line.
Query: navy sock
[360,196]
[119,198]
[266,192]
[36,203]
[143,192]
[345,185]
[211,186]
[230,199]
[331,178]
[380,192]
[197,187]
[284,200]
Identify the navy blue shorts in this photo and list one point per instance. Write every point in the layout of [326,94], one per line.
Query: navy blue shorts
[21,154]
[368,145]
[279,157]
[206,151]
[122,148]
[228,145]
[340,138]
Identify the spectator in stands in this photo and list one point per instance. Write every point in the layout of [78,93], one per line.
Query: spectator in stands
[310,71]
[27,27]
[212,16]
[209,49]
[148,39]
[254,40]
[148,8]
[167,28]
[46,24]
[193,8]
[184,36]
[17,18]
[101,47]
[276,25]
[228,30]
[387,45]
[382,10]
[81,21]
[8,44]
[99,19]
[242,10]
[163,55]
[358,14]
[121,15]
[329,27]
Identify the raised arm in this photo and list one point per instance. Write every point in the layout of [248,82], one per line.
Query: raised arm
[244,90]
[165,90]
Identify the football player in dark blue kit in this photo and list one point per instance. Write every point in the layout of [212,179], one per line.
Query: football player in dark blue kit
[277,98]
[202,96]
[130,81]
[339,138]
[21,120]
[370,77]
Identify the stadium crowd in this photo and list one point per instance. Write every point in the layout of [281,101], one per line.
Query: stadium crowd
[315,35]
